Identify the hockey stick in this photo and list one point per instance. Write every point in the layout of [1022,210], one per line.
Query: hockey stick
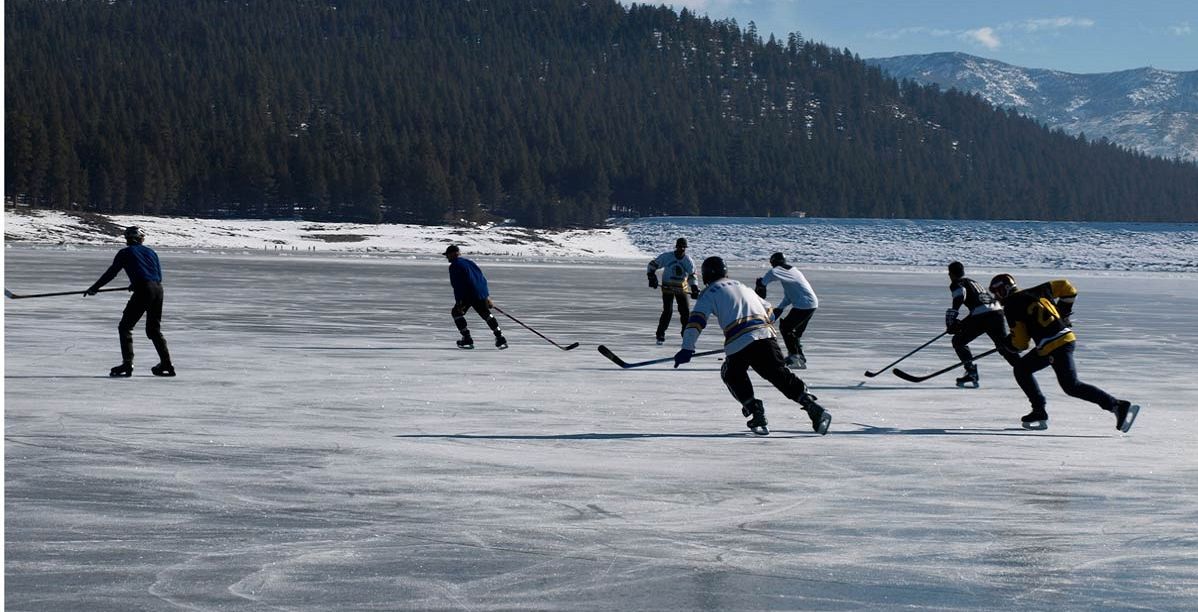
[12,296]
[921,347]
[624,364]
[910,378]
[521,324]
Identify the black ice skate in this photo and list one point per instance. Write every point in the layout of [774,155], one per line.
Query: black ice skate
[796,361]
[820,419]
[661,339]
[466,343]
[1125,415]
[163,370]
[122,371]
[970,380]
[500,342]
[757,423]
[1036,419]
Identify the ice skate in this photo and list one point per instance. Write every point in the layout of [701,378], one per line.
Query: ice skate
[970,380]
[1036,419]
[163,370]
[1125,415]
[122,371]
[466,343]
[755,409]
[661,339]
[500,342]
[820,419]
[796,361]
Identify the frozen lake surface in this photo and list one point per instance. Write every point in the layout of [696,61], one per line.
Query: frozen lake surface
[326,447]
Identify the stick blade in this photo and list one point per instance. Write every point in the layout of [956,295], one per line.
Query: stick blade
[908,377]
[869,374]
[8,294]
[570,347]
[606,352]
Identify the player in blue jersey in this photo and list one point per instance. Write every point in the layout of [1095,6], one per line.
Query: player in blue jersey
[141,265]
[470,291]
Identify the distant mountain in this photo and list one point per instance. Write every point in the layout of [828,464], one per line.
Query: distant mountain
[1149,110]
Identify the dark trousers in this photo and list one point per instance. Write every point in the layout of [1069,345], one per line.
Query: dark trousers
[1061,361]
[479,306]
[793,326]
[147,300]
[992,324]
[668,298]
[765,358]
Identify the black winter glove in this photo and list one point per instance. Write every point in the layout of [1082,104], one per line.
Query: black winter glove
[652,280]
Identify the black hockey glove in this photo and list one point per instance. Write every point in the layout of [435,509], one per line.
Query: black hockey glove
[683,356]
[694,292]
[652,280]
[91,291]
[951,324]
[760,289]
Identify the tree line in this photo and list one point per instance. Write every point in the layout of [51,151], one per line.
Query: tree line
[551,112]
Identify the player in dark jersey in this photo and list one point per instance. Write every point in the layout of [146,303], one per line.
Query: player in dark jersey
[983,316]
[141,265]
[470,291]
[1040,315]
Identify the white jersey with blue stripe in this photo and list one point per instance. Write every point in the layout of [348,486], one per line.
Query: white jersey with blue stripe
[743,315]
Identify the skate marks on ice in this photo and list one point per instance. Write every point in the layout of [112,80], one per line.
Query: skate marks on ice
[272,478]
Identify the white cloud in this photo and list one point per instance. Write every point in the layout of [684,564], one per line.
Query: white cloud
[1052,23]
[984,36]
[1181,29]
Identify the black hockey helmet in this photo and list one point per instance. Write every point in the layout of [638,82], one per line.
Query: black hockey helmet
[1003,285]
[134,235]
[713,270]
[680,243]
[777,259]
[956,270]
[452,251]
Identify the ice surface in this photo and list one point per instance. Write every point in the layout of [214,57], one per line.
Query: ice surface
[325,447]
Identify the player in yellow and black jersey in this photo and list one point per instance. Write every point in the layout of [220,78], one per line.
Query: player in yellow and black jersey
[1040,315]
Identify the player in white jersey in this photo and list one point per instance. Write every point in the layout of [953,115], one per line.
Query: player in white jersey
[677,282]
[749,342]
[802,301]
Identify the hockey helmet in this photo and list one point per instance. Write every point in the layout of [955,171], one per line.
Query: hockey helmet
[680,244]
[777,259]
[1003,285]
[133,234]
[956,270]
[713,270]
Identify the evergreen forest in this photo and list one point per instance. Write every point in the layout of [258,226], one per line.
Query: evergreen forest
[551,112]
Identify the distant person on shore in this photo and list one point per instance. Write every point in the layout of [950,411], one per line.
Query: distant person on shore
[677,281]
[470,291]
[141,265]
[984,316]
[1041,315]
[799,295]
[749,342]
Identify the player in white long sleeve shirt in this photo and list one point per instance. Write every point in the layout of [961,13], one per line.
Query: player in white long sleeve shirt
[677,282]
[749,342]
[802,301]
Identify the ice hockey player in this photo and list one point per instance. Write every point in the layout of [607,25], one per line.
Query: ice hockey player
[802,301]
[470,291]
[141,265]
[1041,315]
[749,342]
[984,316]
[677,280]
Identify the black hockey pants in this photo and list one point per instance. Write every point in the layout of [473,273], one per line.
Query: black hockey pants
[765,358]
[668,296]
[479,306]
[990,323]
[147,300]
[1061,361]
[793,326]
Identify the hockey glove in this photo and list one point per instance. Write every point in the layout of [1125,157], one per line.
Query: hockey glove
[694,292]
[760,289]
[950,320]
[652,280]
[91,291]
[683,356]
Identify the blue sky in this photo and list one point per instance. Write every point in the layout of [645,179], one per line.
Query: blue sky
[1070,35]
